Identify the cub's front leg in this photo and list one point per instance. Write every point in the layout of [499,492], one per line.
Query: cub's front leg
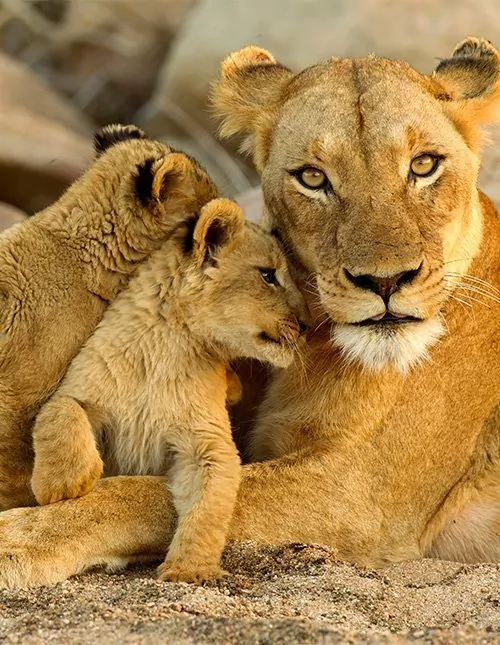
[67,462]
[204,482]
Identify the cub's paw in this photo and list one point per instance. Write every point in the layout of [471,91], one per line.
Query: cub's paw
[55,482]
[178,572]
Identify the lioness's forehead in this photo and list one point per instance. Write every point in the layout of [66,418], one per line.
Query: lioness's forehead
[340,102]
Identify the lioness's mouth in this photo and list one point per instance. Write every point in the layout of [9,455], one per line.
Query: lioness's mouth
[388,319]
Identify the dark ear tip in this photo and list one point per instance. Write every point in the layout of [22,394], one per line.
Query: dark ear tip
[112,134]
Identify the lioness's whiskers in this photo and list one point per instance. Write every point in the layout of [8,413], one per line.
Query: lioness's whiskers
[302,362]
[459,260]
[454,297]
[444,321]
[474,278]
[472,299]
[481,292]
[473,288]
[325,320]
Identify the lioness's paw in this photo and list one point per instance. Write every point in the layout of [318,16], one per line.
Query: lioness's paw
[52,483]
[177,572]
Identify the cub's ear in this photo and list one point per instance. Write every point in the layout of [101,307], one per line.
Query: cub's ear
[471,81]
[175,181]
[246,97]
[110,135]
[218,229]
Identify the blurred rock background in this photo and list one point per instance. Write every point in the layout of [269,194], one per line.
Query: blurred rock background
[67,66]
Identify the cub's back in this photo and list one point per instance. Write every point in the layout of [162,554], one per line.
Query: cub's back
[46,313]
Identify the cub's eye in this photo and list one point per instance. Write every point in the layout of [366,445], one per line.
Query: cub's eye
[269,276]
[312,178]
[424,165]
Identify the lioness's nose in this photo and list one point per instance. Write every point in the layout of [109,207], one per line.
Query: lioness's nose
[383,286]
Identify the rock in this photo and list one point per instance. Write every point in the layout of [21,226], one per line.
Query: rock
[39,158]
[10,215]
[106,55]
[252,202]
[45,143]
[21,88]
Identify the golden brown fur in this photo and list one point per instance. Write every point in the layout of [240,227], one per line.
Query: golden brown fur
[146,394]
[60,269]
[388,447]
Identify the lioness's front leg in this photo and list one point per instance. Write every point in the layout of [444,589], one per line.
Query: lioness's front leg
[204,483]
[67,463]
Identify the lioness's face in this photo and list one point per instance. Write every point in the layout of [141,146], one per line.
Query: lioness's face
[374,193]
[246,299]
[369,176]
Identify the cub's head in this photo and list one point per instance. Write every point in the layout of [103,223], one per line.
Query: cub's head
[141,189]
[239,287]
[369,175]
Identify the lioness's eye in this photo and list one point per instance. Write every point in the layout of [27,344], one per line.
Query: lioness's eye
[424,165]
[269,276]
[312,178]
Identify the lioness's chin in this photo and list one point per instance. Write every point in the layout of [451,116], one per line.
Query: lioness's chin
[402,346]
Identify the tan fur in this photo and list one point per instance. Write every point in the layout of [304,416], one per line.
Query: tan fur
[147,392]
[60,269]
[379,463]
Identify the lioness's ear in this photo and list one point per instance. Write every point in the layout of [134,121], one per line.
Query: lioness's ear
[174,180]
[471,80]
[219,227]
[110,135]
[246,97]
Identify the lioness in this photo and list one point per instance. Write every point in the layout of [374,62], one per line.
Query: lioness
[149,386]
[60,269]
[389,447]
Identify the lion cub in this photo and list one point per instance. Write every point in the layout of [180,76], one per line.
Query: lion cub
[60,269]
[148,390]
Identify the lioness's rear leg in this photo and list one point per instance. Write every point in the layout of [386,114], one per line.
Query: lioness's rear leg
[67,462]
[204,483]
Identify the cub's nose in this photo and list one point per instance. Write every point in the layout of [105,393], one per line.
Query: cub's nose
[303,327]
[383,286]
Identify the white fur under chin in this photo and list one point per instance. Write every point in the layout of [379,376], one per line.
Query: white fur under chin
[402,347]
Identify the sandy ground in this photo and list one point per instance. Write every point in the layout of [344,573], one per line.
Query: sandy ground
[291,594]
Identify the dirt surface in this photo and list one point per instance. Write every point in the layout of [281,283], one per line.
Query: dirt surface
[291,594]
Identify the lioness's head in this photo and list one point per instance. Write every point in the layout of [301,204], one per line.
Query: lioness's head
[139,189]
[238,288]
[369,175]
